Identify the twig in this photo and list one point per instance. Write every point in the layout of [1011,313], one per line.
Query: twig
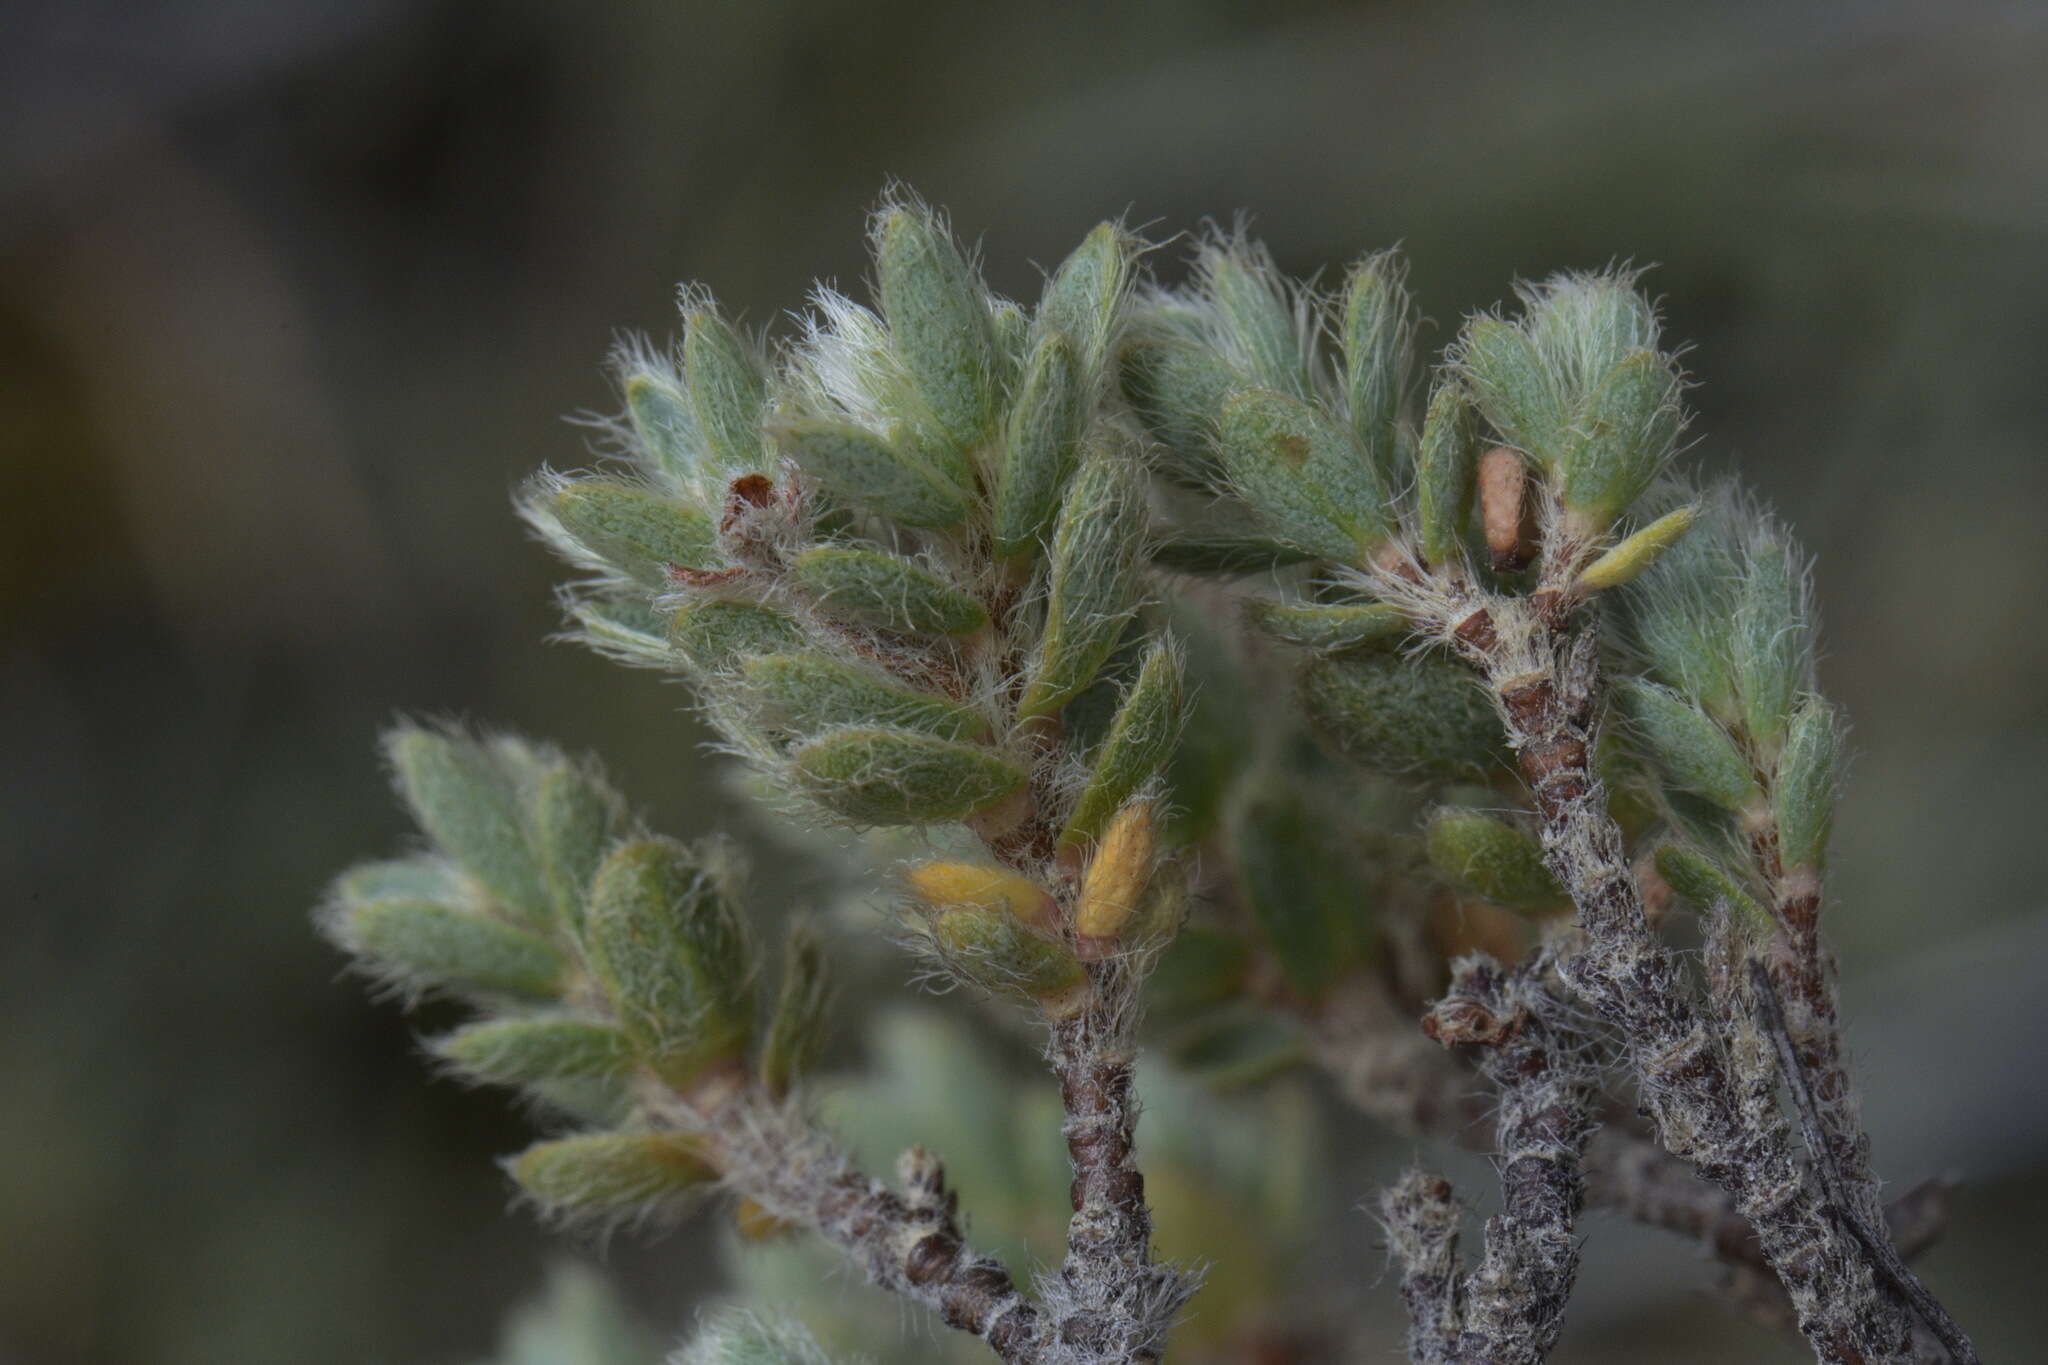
[909,1243]
[1803,974]
[1513,1304]
[1421,1223]
[1110,1300]
[1544,672]
[1383,1066]
[1883,1258]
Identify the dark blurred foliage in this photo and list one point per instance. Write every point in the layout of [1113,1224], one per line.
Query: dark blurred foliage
[292,293]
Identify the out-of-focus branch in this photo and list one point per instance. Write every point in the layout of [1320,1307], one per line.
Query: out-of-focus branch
[1510,1308]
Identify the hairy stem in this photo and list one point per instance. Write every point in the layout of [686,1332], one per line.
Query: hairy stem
[1803,975]
[1421,1222]
[1546,682]
[1111,1301]
[1876,1242]
[1513,1304]
[909,1243]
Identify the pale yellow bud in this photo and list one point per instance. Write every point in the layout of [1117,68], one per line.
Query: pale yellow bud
[1116,879]
[943,885]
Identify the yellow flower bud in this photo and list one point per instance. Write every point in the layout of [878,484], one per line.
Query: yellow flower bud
[1116,879]
[945,884]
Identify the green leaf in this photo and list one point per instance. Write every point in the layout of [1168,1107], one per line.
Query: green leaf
[665,944]
[530,1051]
[1583,323]
[1085,296]
[811,691]
[992,949]
[1041,443]
[1803,794]
[1139,743]
[1396,714]
[426,878]
[796,1031]
[1770,644]
[1300,879]
[715,634]
[1445,480]
[1638,552]
[629,631]
[1492,859]
[665,434]
[1329,627]
[734,1338]
[888,477]
[467,800]
[938,321]
[883,590]
[1255,314]
[637,532]
[1178,385]
[423,944]
[1096,551]
[575,817]
[899,777]
[727,394]
[1307,480]
[1203,967]
[1513,387]
[1624,432]
[1703,883]
[606,1176]
[1379,339]
[1226,555]
[1689,750]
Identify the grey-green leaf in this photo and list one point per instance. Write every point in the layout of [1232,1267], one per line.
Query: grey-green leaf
[715,634]
[1041,442]
[796,1032]
[428,944]
[1085,295]
[1513,387]
[1398,714]
[1492,859]
[1444,475]
[1691,752]
[1306,478]
[666,945]
[876,776]
[889,477]
[542,1048]
[809,691]
[1379,338]
[1770,644]
[1096,551]
[1701,881]
[1328,627]
[665,434]
[883,590]
[605,1176]
[938,320]
[575,817]
[1300,880]
[636,531]
[727,394]
[1624,431]
[1139,743]
[468,803]
[1803,794]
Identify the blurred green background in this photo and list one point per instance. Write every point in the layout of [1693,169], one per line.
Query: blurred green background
[292,292]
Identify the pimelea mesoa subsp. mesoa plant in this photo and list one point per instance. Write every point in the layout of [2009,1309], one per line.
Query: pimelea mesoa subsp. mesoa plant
[1014,591]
